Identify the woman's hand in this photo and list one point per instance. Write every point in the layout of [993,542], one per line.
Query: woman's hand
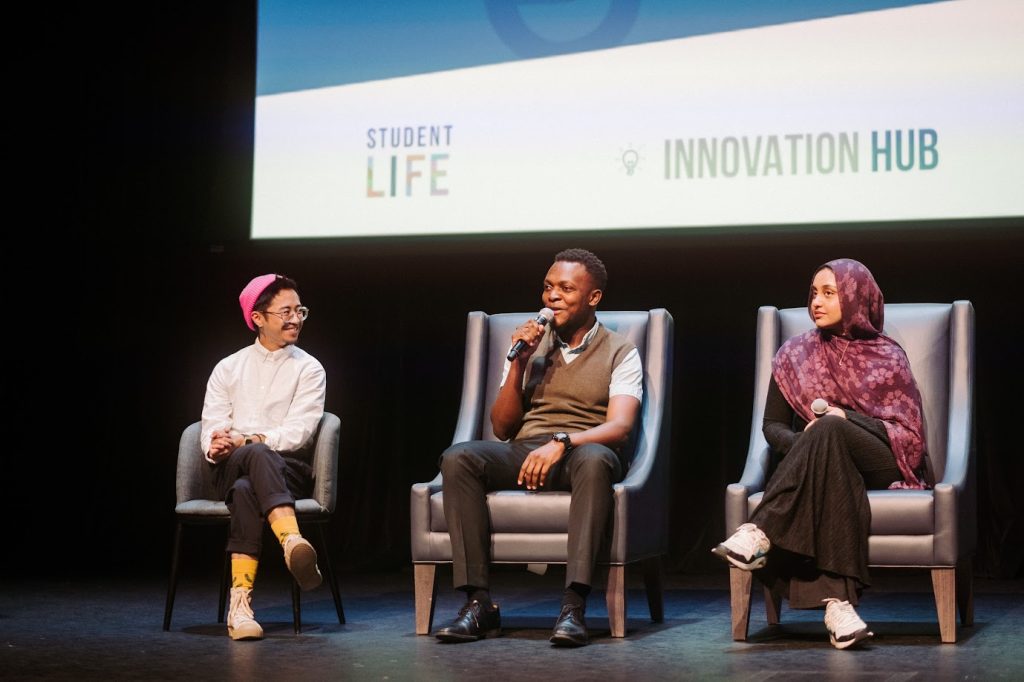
[832,410]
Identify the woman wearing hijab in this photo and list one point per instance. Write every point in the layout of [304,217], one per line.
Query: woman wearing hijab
[809,534]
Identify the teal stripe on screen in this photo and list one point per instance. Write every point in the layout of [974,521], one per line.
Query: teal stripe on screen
[320,43]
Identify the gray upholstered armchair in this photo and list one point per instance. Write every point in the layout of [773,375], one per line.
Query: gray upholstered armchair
[197,505]
[533,528]
[933,529]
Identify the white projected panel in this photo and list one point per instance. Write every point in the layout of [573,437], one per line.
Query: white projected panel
[912,113]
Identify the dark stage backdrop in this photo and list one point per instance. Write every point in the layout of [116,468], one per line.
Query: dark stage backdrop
[163,180]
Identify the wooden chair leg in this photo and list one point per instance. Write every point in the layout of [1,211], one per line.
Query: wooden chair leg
[944,584]
[740,584]
[615,598]
[425,587]
[172,585]
[772,606]
[655,589]
[965,591]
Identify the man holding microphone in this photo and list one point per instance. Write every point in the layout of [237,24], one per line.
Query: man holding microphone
[568,401]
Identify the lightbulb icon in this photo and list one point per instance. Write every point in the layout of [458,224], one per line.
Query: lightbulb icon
[630,158]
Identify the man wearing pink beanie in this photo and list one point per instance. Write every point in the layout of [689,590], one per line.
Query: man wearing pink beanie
[262,407]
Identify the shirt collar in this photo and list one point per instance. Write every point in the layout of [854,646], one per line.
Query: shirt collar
[271,355]
[583,345]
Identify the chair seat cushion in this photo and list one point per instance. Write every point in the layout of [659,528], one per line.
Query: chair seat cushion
[515,511]
[202,508]
[893,512]
[217,508]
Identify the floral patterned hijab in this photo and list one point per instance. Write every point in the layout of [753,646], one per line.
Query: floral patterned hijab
[858,368]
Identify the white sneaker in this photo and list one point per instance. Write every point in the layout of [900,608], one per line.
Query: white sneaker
[241,623]
[300,557]
[845,628]
[747,548]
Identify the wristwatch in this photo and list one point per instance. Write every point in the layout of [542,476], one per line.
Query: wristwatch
[563,438]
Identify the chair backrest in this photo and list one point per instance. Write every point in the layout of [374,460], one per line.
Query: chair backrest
[939,341]
[488,338]
[192,483]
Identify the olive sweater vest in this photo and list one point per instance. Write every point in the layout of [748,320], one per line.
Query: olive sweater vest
[570,397]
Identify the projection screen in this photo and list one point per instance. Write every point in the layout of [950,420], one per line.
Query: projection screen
[423,118]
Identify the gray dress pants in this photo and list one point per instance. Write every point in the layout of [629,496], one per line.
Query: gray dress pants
[471,469]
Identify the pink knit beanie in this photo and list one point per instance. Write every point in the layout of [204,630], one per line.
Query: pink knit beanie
[250,293]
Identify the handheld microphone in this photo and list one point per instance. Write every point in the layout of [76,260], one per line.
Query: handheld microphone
[543,317]
[819,407]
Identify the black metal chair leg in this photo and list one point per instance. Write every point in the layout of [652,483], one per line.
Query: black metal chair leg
[296,608]
[172,585]
[331,577]
[225,580]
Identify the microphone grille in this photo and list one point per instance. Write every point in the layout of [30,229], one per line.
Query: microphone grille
[819,406]
[547,313]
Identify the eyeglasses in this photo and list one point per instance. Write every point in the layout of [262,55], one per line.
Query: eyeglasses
[287,314]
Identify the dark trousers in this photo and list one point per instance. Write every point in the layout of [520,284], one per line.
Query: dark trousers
[815,511]
[471,469]
[253,480]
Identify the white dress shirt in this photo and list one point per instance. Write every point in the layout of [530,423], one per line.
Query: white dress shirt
[279,394]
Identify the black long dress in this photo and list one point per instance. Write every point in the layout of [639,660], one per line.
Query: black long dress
[815,508]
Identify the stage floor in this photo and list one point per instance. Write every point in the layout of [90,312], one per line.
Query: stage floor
[102,630]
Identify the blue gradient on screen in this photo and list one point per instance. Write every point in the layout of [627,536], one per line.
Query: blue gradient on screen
[320,43]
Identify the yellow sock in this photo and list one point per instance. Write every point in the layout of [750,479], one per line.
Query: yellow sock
[243,572]
[285,526]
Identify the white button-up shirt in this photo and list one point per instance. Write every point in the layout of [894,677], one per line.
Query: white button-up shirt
[277,393]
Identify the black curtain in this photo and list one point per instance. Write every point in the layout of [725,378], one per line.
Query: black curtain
[144,302]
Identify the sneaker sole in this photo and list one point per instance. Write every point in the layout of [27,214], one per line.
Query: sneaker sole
[853,640]
[455,638]
[303,567]
[241,636]
[737,561]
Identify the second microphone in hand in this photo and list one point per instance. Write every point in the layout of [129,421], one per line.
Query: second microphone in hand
[819,406]
[543,318]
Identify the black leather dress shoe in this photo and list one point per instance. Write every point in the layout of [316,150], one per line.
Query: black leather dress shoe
[570,628]
[475,621]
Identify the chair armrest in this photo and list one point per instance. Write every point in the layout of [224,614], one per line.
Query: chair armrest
[474,379]
[755,474]
[755,471]
[419,516]
[955,495]
[960,430]
[641,499]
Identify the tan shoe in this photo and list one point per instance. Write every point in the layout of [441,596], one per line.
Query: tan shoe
[241,623]
[300,557]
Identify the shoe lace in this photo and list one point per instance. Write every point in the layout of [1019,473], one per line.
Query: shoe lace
[240,607]
[747,540]
[571,609]
[841,617]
